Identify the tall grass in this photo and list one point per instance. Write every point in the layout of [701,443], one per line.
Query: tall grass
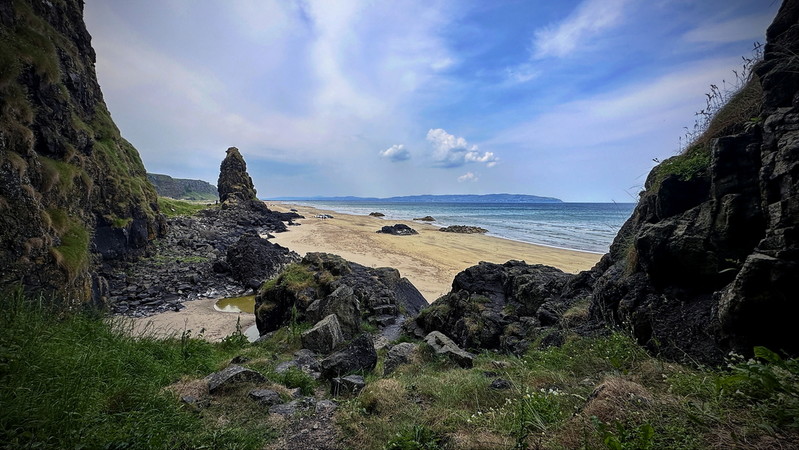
[76,381]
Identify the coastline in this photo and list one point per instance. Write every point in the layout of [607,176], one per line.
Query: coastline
[430,259]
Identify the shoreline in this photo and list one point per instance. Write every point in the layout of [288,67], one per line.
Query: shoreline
[407,219]
[430,260]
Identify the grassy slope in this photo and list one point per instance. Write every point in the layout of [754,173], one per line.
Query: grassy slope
[68,381]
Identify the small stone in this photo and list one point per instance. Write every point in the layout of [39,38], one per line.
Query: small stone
[445,346]
[266,397]
[351,384]
[500,384]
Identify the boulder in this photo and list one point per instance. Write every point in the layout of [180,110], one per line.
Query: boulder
[231,376]
[252,260]
[333,285]
[359,355]
[426,219]
[234,181]
[445,346]
[324,337]
[398,355]
[398,230]
[377,214]
[344,304]
[351,384]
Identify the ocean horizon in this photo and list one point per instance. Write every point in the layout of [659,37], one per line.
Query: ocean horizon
[587,227]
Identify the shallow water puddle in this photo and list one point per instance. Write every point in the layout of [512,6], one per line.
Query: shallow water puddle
[244,304]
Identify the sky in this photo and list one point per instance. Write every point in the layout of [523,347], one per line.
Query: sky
[568,99]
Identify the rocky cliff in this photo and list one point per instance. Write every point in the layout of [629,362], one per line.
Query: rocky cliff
[72,190]
[707,264]
[181,188]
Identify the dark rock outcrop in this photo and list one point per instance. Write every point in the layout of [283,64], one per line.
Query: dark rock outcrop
[398,355]
[323,284]
[499,306]
[377,214]
[351,384]
[426,219]
[358,356]
[181,188]
[324,337]
[72,190]
[463,229]
[253,260]
[399,229]
[234,181]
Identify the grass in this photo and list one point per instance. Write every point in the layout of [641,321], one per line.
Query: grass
[73,253]
[173,208]
[77,381]
[74,379]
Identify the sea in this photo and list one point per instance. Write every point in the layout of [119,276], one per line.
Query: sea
[588,227]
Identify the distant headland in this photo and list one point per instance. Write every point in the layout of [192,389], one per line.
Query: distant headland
[454,198]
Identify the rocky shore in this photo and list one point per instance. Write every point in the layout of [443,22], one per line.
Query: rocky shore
[215,253]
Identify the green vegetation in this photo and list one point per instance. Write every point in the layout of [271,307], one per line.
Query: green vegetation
[73,253]
[77,381]
[686,166]
[74,379]
[172,208]
[294,277]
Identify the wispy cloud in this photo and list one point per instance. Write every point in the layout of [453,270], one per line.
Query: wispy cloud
[396,153]
[454,151]
[750,27]
[590,18]
[468,176]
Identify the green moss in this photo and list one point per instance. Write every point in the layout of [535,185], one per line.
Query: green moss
[74,248]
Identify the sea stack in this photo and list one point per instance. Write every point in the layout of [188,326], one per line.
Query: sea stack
[234,182]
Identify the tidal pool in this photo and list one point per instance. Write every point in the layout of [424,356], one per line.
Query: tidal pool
[244,304]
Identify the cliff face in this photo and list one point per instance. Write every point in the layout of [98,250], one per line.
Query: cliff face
[72,190]
[709,261]
[181,188]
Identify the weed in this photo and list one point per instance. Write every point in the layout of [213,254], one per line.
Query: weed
[418,437]
[620,436]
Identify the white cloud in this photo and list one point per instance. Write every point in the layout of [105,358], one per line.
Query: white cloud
[454,151]
[468,176]
[751,27]
[396,153]
[590,18]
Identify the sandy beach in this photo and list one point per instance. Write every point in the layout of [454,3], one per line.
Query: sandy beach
[430,260]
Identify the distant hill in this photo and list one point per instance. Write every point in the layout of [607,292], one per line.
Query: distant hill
[465,198]
[182,189]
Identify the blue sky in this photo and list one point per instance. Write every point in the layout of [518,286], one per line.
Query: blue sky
[571,99]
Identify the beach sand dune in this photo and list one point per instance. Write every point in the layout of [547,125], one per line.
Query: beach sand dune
[430,260]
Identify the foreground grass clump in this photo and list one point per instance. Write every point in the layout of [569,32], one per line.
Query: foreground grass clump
[591,393]
[173,208]
[71,381]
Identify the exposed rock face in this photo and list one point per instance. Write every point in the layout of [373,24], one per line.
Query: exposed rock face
[323,284]
[234,181]
[443,345]
[496,306]
[359,355]
[253,260]
[716,270]
[181,188]
[324,337]
[72,189]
